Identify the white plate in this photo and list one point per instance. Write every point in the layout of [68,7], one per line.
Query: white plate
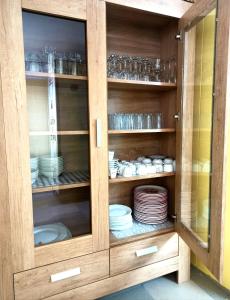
[119,211]
[123,227]
[51,233]
[120,223]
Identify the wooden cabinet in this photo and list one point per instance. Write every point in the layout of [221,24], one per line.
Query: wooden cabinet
[55,137]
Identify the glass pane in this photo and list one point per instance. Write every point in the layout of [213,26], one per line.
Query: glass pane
[198,82]
[57,99]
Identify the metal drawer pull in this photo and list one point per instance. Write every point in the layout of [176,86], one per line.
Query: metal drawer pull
[99,134]
[146,251]
[65,274]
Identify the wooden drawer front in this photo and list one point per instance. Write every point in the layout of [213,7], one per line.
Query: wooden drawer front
[52,279]
[144,252]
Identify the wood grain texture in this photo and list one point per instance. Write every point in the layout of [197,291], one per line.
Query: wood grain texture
[119,282]
[197,11]
[52,253]
[134,178]
[123,258]
[97,85]
[131,146]
[219,154]
[183,274]
[123,193]
[138,84]
[36,284]
[212,257]
[15,144]
[36,75]
[174,8]
[139,131]
[184,142]
[70,8]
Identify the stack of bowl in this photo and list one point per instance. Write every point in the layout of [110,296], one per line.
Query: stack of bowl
[51,166]
[113,168]
[120,217]
[34,168]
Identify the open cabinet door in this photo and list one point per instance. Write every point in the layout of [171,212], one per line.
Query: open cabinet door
[202,94]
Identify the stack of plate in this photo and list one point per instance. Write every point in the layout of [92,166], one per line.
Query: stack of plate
[34,168]
[51,233]
[51,167]
[120,217]
[150,204]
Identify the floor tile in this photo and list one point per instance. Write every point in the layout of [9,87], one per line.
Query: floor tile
[134,293]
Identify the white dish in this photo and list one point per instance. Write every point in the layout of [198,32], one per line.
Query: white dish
[51,233]
[118,210]
[122,227]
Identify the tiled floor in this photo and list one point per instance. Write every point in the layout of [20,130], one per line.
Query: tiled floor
[200,287]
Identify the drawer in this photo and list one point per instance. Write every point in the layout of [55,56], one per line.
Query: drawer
[52,279]
[144,252]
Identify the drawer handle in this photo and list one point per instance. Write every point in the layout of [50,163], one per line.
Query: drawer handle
[65,274]
[146,251]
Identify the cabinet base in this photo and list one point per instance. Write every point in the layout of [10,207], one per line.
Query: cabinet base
[119,282]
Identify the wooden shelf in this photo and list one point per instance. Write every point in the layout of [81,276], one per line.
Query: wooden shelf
[134,178]
[115,241]
[138,84]
[67,180]
[34,75]
[69,132]
[139,131]
[59,187]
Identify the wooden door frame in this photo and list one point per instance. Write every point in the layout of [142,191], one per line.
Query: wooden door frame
[19,253]
[212,257]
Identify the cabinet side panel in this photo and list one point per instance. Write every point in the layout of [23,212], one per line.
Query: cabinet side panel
[16,193]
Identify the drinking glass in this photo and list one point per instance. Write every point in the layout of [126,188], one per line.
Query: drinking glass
[173,70]
[145,70]
[148,121]
[157,68]
[158,120]
[59,64]
[135,73]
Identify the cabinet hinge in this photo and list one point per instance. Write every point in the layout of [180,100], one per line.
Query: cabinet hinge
[179,36]
[174,217]
[177,116]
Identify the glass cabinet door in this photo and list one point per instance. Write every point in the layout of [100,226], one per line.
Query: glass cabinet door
[57,101]
[201,128]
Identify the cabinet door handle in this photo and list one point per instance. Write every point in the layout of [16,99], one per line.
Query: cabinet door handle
[65,274]
[146,251]
[99,133]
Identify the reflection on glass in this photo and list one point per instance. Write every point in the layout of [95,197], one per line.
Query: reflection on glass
[203,51]
[57,98]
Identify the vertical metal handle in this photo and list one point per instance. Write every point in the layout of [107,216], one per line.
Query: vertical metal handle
[99,133]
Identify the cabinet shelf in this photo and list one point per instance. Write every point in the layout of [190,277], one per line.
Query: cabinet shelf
[157,230]
[40,75]
[139,131]
[68,132]
[67,180]
[138,84]
[134,178]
